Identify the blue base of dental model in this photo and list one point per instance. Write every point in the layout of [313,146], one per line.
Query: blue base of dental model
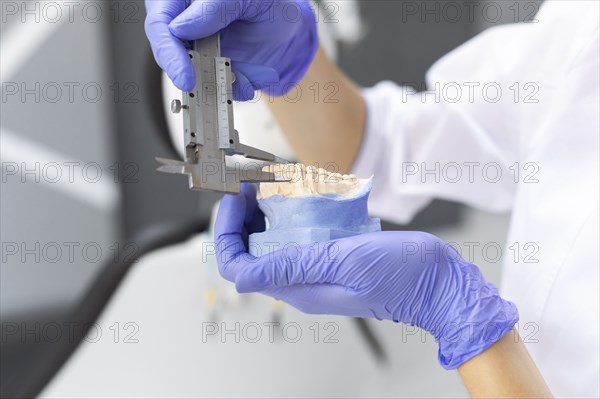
[309,219]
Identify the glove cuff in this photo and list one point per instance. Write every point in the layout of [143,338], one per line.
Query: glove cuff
[484,318]
[461,344]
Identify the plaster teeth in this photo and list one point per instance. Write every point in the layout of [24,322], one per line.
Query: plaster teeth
[309,180]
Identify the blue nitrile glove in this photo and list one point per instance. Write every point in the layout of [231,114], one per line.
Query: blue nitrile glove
[271,42]
[409,277]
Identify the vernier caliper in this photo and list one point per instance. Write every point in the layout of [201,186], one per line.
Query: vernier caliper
[209,134]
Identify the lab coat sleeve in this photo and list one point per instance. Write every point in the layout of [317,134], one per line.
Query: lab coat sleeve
[458,141]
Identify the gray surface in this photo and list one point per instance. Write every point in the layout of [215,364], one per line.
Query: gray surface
[41,213]
[400,50]
[81,129]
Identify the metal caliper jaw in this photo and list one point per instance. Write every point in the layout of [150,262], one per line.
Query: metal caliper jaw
[211,176]
[209,136]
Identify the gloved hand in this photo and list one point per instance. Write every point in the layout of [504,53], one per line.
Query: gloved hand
[271,43]
[409,277]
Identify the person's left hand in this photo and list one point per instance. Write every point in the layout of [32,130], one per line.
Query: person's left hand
[271,43]
[403,276]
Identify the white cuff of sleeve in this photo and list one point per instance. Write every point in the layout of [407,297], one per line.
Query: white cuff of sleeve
[377,102]
[382,152]
[366,163]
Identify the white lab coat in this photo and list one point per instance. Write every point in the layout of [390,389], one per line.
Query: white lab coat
[548,130]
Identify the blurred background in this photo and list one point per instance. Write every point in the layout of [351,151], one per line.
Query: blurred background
[86,221]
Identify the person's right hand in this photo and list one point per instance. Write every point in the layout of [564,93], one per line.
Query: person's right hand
[271,43]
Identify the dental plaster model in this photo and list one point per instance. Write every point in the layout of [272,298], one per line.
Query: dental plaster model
[314,206]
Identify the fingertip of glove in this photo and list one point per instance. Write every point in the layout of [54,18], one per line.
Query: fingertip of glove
[248,189]
[242,94]
[177,27]
[244,286]
[252,279]
[187,28]
[185,81]
[241,288]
